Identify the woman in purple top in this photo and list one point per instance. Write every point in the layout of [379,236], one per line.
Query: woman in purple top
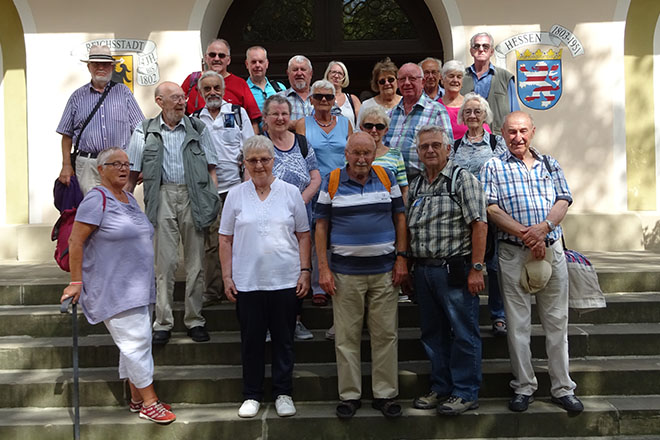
[112,275]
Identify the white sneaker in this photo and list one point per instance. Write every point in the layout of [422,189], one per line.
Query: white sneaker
[330,333]
[301,333]
[250,408]
[284,406]
[267,335]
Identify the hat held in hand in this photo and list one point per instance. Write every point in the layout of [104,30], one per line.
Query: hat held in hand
[536,273]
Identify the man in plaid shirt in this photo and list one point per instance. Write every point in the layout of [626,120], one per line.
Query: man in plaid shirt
[447,222]
[413,111]
[527,198]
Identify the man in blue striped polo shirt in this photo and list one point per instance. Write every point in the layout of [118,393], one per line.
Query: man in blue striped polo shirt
[111,125]
[362,207]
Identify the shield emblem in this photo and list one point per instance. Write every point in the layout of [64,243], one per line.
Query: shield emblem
[123,73]
[539,78]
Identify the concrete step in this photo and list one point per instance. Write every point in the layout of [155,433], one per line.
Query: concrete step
[41,284]
[24,352]
[46,320]
[604,417]
[208,384]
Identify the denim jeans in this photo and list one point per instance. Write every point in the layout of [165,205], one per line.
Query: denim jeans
[449,320]
[495,303]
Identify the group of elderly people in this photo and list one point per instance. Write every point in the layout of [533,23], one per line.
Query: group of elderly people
[266,245]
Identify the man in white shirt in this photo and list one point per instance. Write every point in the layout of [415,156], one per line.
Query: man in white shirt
[229,126]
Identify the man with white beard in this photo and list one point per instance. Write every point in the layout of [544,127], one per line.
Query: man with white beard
[229,127]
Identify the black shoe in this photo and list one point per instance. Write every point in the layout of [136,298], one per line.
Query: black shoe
[520,402]
[570,403]
[161,337]
[199,334]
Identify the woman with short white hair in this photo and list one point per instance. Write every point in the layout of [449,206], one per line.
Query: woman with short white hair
[452,80]
[111,256]
[265,248]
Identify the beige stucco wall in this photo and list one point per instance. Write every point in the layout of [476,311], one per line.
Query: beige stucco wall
[583,129]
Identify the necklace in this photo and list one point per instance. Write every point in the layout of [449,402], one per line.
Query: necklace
[474,138]
[322,124]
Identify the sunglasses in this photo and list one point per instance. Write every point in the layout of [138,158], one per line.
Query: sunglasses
[390,80]
[220,55]
[320,96]
[484,46]
[369,126]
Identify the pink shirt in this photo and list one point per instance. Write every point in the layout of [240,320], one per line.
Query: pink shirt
[459,130]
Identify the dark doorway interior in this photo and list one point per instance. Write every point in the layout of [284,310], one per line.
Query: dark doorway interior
[356,32]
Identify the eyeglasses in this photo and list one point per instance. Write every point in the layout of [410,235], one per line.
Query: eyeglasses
[278,115]
[369,126]
[469,111]
[412,79]
[216,88]
[484,46]
[220,55]
[263,161]
[435,146]
[320,96]
[119,165]
[336,73]
[389,79]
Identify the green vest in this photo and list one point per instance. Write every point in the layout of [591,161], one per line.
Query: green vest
[204,200]
[498,96]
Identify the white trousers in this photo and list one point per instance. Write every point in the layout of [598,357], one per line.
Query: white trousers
[552,306]
[131,331]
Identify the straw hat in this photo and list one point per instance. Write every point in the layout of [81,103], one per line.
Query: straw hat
[99,54]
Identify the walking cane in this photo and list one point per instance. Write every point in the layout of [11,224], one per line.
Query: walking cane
[64,308]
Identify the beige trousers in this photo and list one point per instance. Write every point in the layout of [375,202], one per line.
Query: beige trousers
[175,222]
[87,174]
[376,292]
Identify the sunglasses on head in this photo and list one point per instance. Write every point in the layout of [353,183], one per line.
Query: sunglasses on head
[390,80]
[220,55]
[320,96]
[369,126]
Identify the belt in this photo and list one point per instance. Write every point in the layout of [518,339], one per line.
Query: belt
[548,242]
[87,154]
[435,262]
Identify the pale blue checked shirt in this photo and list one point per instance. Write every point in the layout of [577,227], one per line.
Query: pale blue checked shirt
[525,194]
[299,108]
[403,129]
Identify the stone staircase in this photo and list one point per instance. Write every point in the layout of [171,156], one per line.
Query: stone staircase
[615,360]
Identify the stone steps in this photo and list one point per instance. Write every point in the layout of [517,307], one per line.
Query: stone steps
[604,417]
[615,360]
[45,320]
[209,384]
[25,352]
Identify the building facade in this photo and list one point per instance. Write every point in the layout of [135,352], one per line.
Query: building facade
[588,72]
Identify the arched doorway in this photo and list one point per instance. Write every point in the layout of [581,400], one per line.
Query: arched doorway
[357,32]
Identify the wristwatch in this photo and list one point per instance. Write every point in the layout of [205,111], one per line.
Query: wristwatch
[478,267]
[403,254]
[551,225]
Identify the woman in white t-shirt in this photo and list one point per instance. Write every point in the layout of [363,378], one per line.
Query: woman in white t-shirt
[265,247]
[346,104]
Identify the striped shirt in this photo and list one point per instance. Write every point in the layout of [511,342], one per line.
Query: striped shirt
[439,226]
[403,129]
[362,232]
[526,195]
[299,108]
[393,161]
[173,171]
[112,124]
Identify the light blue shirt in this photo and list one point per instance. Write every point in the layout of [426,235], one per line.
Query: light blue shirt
[261,95]
[482,87]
